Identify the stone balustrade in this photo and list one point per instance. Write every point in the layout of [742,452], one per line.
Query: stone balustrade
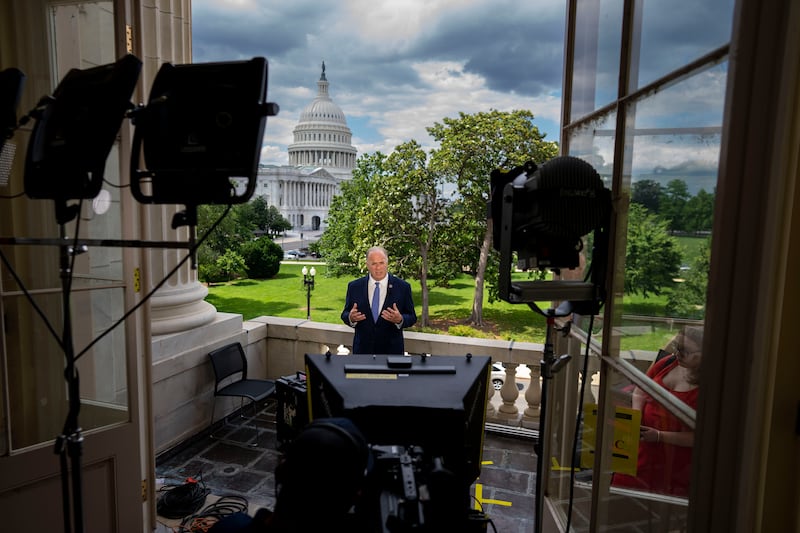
[183,380]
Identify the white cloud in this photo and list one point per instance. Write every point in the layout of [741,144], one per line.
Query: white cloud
[395,66]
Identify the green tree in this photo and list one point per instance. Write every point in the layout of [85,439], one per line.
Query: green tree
[336,244]
[276,223]
[653,256]
[471,147]
[688,299]
[647,193]
[405,214]
[232,229]
[673,204]
[261,216]
[699,212]
[254,213]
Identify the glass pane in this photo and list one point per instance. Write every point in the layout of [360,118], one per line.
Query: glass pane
[594,143]
[597,49]
[35,365]
[33,377]
[672,162]
[627,501]
[663,464]
[673,34]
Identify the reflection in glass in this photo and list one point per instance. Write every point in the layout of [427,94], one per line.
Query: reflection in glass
[36,384]
[673,167]
[675,33]
[664,462]
[34,375]
[597,50]
[594,143]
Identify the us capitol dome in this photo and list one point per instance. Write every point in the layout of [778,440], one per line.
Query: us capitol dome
[321,137]
[321,157]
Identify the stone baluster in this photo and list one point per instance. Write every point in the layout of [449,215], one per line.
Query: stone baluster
[490,410]
[509,391]
[533,395]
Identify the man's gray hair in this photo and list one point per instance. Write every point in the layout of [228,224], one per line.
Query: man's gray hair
[380,249]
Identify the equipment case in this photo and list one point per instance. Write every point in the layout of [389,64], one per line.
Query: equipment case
[292,415]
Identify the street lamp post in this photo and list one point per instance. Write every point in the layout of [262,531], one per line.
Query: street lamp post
[308,281]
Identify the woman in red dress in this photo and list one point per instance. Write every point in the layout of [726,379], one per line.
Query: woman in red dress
[665,448]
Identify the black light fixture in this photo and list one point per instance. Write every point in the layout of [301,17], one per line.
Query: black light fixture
[74,131]
[542,213]
[201,129]
[11,82]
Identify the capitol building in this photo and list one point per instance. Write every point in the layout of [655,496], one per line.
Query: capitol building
[321,157]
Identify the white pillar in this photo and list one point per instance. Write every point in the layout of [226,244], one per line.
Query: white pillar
[179,305]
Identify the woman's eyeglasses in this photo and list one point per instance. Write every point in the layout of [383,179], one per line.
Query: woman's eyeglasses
[680,351]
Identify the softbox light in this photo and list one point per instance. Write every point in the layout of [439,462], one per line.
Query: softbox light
[75,130]
[202,127]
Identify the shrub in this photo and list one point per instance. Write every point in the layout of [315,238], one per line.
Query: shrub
[262,257]
[225,268]
[467,331]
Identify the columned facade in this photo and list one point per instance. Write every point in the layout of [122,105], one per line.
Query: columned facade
[302,195]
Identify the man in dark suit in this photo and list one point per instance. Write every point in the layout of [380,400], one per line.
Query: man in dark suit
[378,318]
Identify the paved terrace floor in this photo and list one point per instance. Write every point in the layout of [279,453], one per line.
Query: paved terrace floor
[506,484]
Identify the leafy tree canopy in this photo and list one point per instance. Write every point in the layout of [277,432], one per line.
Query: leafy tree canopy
[653,256]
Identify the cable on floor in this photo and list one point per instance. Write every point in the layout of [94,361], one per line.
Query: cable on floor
[212,513]
[177,501]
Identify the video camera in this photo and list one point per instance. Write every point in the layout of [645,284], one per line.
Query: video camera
[410,490]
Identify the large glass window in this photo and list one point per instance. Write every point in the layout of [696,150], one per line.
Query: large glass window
[656,143]
[33,311]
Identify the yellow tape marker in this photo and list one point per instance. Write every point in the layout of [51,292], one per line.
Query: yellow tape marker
[555,466]
[479,501]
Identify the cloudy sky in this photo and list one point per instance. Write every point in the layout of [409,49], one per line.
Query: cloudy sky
[394,66]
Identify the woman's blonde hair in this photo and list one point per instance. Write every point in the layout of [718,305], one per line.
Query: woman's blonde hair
[694,334]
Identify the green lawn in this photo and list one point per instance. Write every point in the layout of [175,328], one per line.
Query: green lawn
[690,247]
[285,296]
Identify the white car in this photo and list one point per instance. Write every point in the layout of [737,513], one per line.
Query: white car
[499,375]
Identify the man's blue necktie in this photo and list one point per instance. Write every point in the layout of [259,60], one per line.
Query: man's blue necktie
[376,302]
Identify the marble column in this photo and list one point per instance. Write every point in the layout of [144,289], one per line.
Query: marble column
[178,305]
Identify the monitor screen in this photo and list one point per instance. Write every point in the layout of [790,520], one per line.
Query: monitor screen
[437,403]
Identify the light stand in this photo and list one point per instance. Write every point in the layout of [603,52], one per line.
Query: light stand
[550,365]
[542,214]
[193,151]
[308,281]
[69,445]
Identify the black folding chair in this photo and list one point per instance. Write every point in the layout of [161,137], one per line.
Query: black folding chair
[230,371]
